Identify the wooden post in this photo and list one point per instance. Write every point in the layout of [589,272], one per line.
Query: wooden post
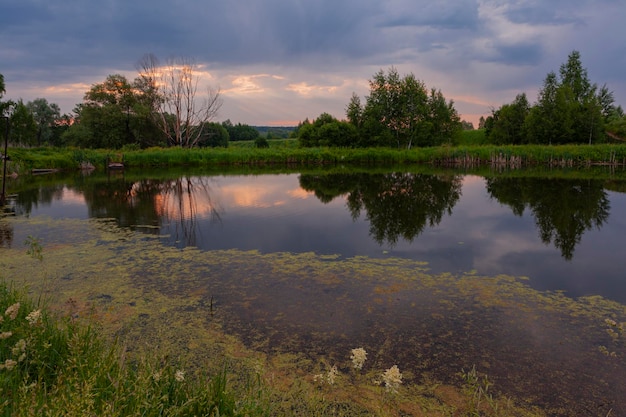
[4,162]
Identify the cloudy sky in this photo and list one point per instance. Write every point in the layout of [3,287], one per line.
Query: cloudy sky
[278,62]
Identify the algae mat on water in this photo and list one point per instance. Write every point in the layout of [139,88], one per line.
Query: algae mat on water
[304,313]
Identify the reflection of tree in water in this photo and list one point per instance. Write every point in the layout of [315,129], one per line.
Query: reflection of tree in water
[32,197]
[178,204]
[149,204]
[397,204]
[563,209]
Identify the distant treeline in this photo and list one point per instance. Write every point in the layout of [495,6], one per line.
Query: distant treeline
[399,112]
[276,132]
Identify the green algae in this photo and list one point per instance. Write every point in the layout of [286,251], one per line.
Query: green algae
[301,313]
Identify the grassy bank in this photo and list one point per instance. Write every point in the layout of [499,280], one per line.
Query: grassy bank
[78,355]
[53,366]
[280,153]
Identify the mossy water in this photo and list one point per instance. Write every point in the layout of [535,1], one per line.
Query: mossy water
[301,314]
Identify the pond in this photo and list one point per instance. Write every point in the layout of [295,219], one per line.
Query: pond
[438,272]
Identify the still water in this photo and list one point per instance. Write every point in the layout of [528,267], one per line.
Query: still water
[408,265]
[564,235]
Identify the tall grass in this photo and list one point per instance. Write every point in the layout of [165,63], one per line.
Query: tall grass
[287,154]
[51,367]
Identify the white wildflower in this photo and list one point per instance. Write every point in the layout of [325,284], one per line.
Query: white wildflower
[156,376]
[329,377]
[5,335]
[19,347]
[358,357]
[179,375]
[392,378]
[332,374]
[12,311]
[8,364]
[33,317]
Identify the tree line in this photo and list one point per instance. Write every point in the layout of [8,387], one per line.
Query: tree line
[400,112]
[569,109]
[163,106]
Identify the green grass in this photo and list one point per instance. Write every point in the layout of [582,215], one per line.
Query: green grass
[69,364]
[472,138]
[51,367]
[286,153]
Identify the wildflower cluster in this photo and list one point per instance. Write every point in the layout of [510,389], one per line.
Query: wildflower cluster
[18,350]
[328,377]
[392,378]
[358,357]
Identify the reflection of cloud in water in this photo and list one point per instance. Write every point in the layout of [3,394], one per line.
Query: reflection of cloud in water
[300,193]
[70,197]
[254,192]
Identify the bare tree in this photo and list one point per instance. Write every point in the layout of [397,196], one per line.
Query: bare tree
[171,90]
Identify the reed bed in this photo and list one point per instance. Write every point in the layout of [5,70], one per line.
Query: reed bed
[279,153]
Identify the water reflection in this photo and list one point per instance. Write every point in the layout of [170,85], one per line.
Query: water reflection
[155,206]
[397,204]
[455,223]
[563,210]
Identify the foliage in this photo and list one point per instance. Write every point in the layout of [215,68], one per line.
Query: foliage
[472,138]
[326,130]
[569,109]
[507,124]
[46,116]
[53,367]
[261,142]
[212,135]
[286,153]
[401,112]
[23,125]
[240,132]
[113,114]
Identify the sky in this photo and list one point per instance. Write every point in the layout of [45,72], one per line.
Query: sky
[277,62]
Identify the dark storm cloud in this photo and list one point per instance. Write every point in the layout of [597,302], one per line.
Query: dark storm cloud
[459,15]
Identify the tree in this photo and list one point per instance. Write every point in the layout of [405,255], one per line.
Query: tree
[326,130]
[105,114]
[397,103]
[4,106]
[354,111]
[508,122]
[442,120]
[212,135]
[23,125]
[550,120]
[570,109]
[173,89]
[46,116]
[401,109]
[240,131]
[114,113]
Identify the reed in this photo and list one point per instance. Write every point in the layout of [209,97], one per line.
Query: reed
[283,153]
